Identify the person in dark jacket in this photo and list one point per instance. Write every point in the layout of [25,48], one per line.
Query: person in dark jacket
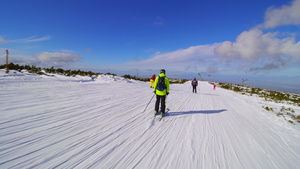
[194,84]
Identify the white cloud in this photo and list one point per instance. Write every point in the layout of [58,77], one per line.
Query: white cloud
[253,50]
[189,59]
[184,55]
[270,65]
[19,59]
[253,44]
[57,58]
[284,15]
[29,39]
[2,40]
[43,59]
[265,51]
[64,51]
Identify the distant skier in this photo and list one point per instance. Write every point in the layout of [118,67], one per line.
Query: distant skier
[161,89]
[194,84]
[152,81]
[214,87]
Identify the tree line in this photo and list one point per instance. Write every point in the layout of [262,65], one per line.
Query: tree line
[40,71]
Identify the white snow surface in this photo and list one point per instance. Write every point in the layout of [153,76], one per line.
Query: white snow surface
[76,122]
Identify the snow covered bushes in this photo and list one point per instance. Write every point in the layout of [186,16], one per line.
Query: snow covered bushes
[40,71]
[289,114]
[268,95]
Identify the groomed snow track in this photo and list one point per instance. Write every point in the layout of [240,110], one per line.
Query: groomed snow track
[97,124]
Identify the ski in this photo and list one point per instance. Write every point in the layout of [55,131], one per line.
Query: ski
[161,117]
[156,113]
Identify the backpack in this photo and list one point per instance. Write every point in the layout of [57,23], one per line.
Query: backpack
[194,83]
[161,84]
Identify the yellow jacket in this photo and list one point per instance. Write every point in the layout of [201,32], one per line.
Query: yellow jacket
[164,92]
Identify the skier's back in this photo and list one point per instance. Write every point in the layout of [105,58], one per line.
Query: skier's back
[194,84]
[161,89]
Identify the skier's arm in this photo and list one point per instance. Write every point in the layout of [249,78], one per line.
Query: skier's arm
[155,83]
[167,84]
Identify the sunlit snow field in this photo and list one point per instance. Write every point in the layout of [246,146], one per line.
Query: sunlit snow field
[79,122]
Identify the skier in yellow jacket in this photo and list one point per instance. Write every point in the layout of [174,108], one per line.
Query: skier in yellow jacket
[161,89]
[152,81]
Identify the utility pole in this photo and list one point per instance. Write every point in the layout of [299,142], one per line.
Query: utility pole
[200,76]
[245,81]
[6,61]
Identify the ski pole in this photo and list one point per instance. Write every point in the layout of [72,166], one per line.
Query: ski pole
[166,101]
[148,103]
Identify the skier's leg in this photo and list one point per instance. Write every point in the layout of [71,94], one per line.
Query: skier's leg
[163,104]
[157,103]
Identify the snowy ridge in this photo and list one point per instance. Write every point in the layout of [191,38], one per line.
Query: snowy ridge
[25,76]
[79,122]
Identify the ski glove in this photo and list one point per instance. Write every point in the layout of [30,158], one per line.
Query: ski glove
[167,93]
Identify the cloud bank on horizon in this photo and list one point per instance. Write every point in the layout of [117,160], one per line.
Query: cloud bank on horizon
[254,50]
[57,59]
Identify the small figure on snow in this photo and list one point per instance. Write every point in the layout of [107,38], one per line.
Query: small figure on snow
[152,81]
[161,89]
[214,87]
[194,84]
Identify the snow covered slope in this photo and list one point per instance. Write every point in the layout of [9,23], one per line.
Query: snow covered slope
[76,122]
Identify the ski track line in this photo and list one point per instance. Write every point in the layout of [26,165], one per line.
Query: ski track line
[34,121]
[95,125]
[262,148]
[236,147]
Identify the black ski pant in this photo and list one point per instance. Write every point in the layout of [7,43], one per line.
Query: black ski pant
[162,101]
[194,89]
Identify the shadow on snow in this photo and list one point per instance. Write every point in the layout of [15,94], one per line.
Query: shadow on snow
[195,112]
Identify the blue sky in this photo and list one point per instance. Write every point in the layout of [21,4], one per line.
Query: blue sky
[230,38]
